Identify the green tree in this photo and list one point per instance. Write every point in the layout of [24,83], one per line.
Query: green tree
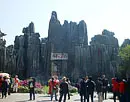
[124,54]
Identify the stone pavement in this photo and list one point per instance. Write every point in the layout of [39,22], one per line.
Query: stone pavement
[24,97]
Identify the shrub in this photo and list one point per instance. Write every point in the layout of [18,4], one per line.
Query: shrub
[23,89]
[73,90]
[38,85]
[23,83]
[45,89]
[39,91]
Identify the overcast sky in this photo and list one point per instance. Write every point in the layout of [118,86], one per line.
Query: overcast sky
[113,15]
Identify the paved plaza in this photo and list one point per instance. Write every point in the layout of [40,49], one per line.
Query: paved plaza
[24,97]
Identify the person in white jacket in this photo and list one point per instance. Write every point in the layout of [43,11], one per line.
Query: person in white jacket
[16,83]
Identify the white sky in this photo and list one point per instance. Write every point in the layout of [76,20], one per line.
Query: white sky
[113,15]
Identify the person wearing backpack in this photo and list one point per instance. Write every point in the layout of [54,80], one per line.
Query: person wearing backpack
[31,88]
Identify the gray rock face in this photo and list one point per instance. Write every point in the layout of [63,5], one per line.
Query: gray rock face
[67,38]
[43,57]
[2,52]
[32,56]
[97,58]
[104,51]
[126,42]
[107,38]
[20,66]
[27,52]
[10,60]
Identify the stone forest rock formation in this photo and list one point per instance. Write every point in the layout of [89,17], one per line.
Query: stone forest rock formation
[103,51]
[32,56]
[126,42]
[2,52]
[25,54]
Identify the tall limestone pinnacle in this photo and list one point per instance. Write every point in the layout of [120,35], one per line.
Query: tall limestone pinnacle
[30,29]
[72,31]
[65,39]
[54,16]
[27,52]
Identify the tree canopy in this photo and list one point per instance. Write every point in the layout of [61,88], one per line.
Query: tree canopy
[124,54]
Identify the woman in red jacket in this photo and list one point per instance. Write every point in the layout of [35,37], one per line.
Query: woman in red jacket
[53,88]
[115,88]
[122,86]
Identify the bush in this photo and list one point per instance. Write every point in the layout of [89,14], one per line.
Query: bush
[39,91]
[45,89]
[73,90]
[23,89]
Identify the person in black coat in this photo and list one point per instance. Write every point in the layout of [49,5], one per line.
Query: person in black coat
[68,81]
[99,89]
[90,88]
[105,86]
[63,89]
[83,90]
[4,87]
[31,88]
[128,90]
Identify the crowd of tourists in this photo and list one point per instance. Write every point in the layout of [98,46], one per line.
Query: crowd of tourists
[7,84]
[119,87]
[86,88]
[62,86]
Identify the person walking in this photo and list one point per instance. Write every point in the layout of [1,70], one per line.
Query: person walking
[63,89]
[105,86]
[83,90]
[99,89]
[69,86]
[4,87]
[32,88]
[115,88]
[128,90]
[53,88]
[90,88]
[57,85]
[122,88]
[16,84]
